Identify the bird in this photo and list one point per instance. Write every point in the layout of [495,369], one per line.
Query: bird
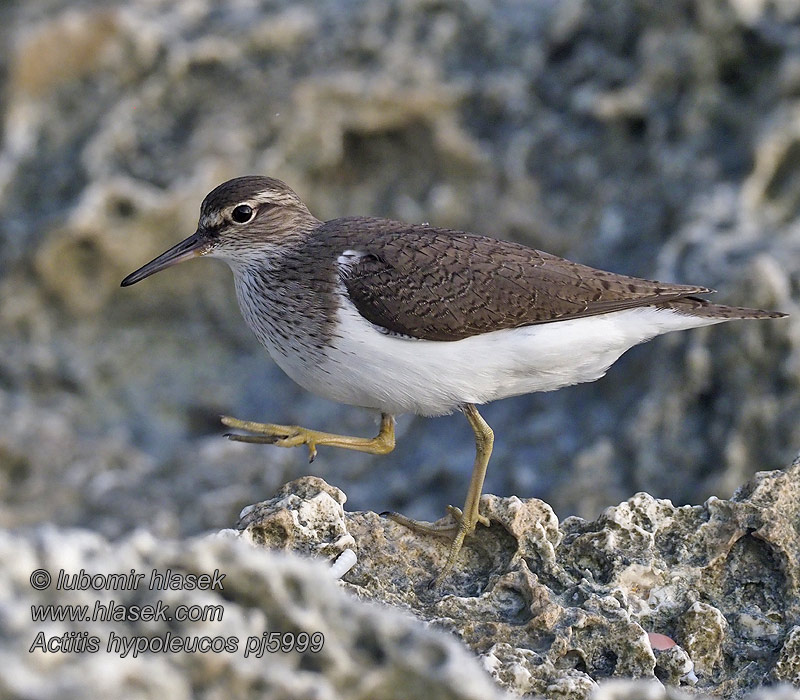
[413,318]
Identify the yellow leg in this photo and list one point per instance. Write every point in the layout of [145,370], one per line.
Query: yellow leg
[465,521]
[294,435]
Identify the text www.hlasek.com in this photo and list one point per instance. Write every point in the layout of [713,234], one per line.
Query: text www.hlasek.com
[111,611]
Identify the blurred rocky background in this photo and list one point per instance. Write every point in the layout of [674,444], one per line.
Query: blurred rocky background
[654,139]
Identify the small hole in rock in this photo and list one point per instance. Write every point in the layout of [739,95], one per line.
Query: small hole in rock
[123,208]
[270,534]
[368,644]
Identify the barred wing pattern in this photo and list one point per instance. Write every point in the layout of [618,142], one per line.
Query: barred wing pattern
[438,284]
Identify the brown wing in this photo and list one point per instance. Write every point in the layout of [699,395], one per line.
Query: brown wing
[437,284]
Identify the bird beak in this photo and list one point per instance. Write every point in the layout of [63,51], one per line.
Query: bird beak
[196,245]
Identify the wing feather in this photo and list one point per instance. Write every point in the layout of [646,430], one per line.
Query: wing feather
[438,284]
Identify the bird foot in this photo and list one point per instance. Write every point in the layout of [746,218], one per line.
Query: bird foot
[273,434]
[421,526]
[437,528]
[294,435]
[458,530]
[458,516]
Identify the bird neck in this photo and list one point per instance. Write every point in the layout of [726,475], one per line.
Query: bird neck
[287,298]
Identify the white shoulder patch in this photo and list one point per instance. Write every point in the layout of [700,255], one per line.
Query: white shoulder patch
[351,256]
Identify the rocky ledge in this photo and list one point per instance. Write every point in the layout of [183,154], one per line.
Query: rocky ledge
[703,597]
[692,599]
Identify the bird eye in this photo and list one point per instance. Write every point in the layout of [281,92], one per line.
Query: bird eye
[242,214]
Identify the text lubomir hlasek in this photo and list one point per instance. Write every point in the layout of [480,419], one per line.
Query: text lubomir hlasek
[157,581]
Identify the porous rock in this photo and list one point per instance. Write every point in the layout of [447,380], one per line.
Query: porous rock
[368,652]
[554,609]
[305,516]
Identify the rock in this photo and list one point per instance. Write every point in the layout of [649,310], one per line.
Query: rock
[787,668]
[545,609]
[305,516]
[553,610]
[367,651]
[703,629]
[647,690]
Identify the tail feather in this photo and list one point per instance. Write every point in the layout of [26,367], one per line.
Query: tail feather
[694,306]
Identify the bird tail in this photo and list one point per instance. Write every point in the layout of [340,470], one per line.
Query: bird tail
[694,306]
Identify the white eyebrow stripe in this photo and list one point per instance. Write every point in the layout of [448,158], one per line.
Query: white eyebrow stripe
[275,198]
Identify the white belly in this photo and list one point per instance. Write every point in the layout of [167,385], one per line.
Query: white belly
[365,367]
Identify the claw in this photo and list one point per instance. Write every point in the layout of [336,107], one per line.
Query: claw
[258,439]
[458,516]
[455,513]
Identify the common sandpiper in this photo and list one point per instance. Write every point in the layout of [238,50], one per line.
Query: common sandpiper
[412,318]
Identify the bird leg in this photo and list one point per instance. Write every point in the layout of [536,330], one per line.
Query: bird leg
[466,520]
[294,435]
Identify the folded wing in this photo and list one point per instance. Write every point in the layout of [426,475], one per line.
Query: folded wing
[437,284]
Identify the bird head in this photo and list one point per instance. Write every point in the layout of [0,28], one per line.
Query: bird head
[243,221]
